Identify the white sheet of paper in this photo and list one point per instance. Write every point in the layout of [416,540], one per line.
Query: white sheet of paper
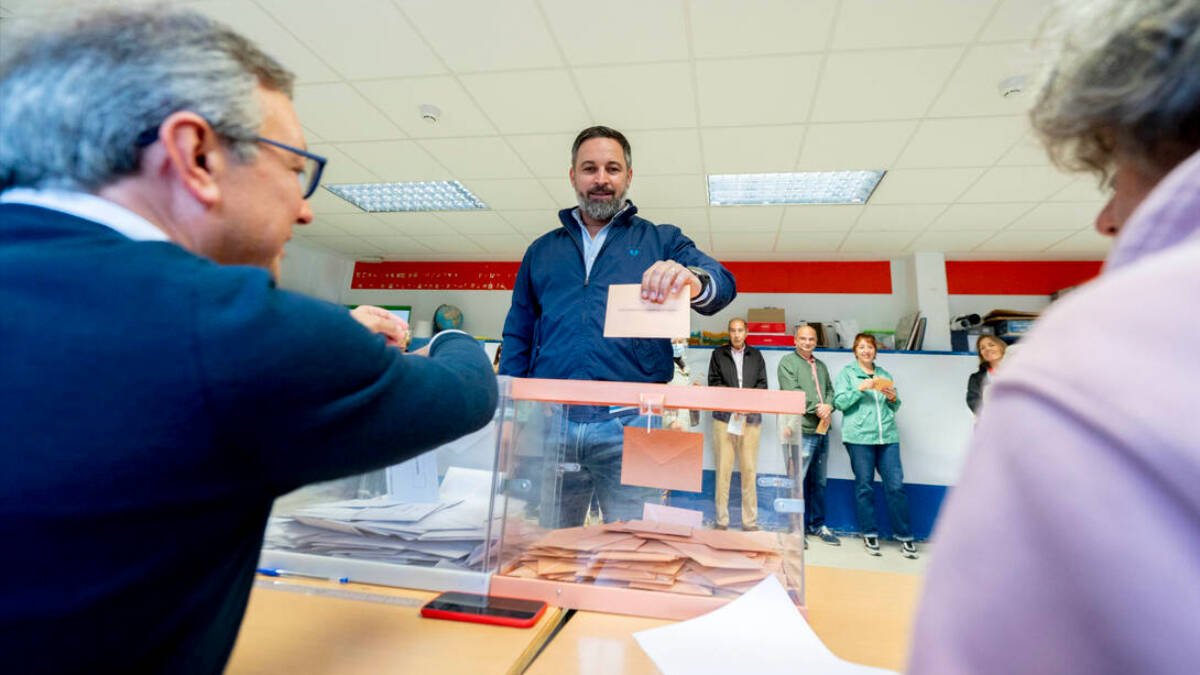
[774,638]
[629,316]
[415,480]
[737,422]
[672,514]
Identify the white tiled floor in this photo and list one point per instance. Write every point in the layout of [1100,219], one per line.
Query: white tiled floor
[852,555]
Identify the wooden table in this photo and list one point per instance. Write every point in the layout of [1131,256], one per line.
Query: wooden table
[865,617]
[288,633]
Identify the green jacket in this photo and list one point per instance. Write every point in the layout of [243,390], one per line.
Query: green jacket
[867,416]
[796,375]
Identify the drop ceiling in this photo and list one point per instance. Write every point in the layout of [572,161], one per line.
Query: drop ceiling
[700,87]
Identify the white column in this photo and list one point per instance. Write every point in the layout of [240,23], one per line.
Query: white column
[928,278]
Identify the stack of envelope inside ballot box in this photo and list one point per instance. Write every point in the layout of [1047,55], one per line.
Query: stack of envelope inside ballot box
[651,555]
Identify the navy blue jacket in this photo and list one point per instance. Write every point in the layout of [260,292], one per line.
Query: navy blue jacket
[152,405]
[555,326]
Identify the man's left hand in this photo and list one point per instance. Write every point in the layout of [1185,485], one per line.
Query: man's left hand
[824,410]
[667,277]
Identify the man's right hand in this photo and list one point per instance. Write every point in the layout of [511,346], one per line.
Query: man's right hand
[866,384]
[824,410]
[379,320]
[786,433]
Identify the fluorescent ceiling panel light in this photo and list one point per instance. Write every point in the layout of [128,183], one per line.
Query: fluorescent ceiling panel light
[393,197]
[804,187]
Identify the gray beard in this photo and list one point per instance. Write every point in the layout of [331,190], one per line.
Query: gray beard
[603,211]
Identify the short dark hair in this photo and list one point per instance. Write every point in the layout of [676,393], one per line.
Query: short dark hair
[602,132]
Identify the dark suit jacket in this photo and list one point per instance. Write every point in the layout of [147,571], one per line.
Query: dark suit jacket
[975,386]
[722,372]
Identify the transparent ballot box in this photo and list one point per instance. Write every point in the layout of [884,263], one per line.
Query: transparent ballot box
[424,523]
[613,501]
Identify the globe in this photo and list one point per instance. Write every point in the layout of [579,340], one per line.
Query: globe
[446,317]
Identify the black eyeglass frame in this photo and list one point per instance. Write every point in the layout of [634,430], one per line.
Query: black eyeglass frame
[150,136]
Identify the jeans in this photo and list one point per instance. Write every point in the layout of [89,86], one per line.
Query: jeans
[816,448]
[583,466]
[864,461]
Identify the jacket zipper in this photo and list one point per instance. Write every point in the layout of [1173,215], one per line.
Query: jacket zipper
[878,415]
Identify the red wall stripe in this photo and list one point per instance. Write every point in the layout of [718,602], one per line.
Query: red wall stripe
[752,277]
[1017,277]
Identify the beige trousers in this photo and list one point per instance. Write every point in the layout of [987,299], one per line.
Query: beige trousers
[746,448]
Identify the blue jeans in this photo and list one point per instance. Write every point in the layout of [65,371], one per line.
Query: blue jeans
[816,448]
[583,466]
[864,460]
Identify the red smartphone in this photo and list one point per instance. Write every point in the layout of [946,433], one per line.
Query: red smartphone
[491,609]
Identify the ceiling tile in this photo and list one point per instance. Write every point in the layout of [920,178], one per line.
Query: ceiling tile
[923,186]
[663,92]
[341,168]
[821,217]
[649,31]
[476,222]
[750,91]
[958,241]
[1016,21]
[357,224]
[1016,184]
[860,145]
[723,28]
[981,217]
[547,155]
[1024,241]
[669,191]
[321,226]
[893,84]
[358,38]
[469,158]
[346,245]
[962,142]
[975,87]
[536,101]
[870,24]
[745,218]
[413,223]
[1090,243]
[323,201]
[396,245]
[394,161]
[512,194]
[860,241]
[449,243]
[503,246]
[670,151]
[532,222]
[476,36]
[1028,151]
[1085,188]
[881,217]
[809,242]
[250,20]
[337,112]
[400,100]
[1065,216]
[563,195]
[751,149]
[692,221]
[741,242]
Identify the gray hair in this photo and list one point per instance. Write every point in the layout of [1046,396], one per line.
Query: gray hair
[75,100]
[1124,85]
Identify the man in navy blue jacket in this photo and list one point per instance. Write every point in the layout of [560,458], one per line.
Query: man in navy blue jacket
[155,402]
[555,327]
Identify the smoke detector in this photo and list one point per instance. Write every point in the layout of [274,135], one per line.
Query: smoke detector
[430,113]
[1013,85]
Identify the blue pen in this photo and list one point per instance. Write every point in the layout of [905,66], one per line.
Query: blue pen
[267,571]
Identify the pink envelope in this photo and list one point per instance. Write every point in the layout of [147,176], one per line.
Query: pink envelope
[629,316]
[662,458]
[671,514]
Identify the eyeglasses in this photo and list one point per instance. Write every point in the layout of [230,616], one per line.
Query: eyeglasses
[309,176]
[314,165]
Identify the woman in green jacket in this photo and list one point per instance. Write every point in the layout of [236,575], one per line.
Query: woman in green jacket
[866,395]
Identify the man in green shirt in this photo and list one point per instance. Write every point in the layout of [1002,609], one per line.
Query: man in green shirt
[802,371]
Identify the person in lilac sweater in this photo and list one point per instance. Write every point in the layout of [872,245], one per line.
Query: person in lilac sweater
[1072,542]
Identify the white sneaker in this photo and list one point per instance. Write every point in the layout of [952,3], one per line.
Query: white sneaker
[872,543]
[908,549]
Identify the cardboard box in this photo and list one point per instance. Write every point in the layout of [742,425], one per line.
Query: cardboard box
[765,315]
[770,340]
[1011,326]
[765,327]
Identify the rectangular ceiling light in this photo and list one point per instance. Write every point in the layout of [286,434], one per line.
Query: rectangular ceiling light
[447,195]
[804,187]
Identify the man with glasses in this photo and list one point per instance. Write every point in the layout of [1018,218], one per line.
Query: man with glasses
[158,390]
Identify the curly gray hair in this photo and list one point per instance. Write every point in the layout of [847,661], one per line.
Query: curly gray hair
[75,100]
[1124,85]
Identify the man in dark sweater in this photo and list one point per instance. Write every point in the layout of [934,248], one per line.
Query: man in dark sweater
[737,364]
[156,401]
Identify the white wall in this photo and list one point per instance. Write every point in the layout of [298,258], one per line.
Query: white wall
[982,304]
[318,273]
